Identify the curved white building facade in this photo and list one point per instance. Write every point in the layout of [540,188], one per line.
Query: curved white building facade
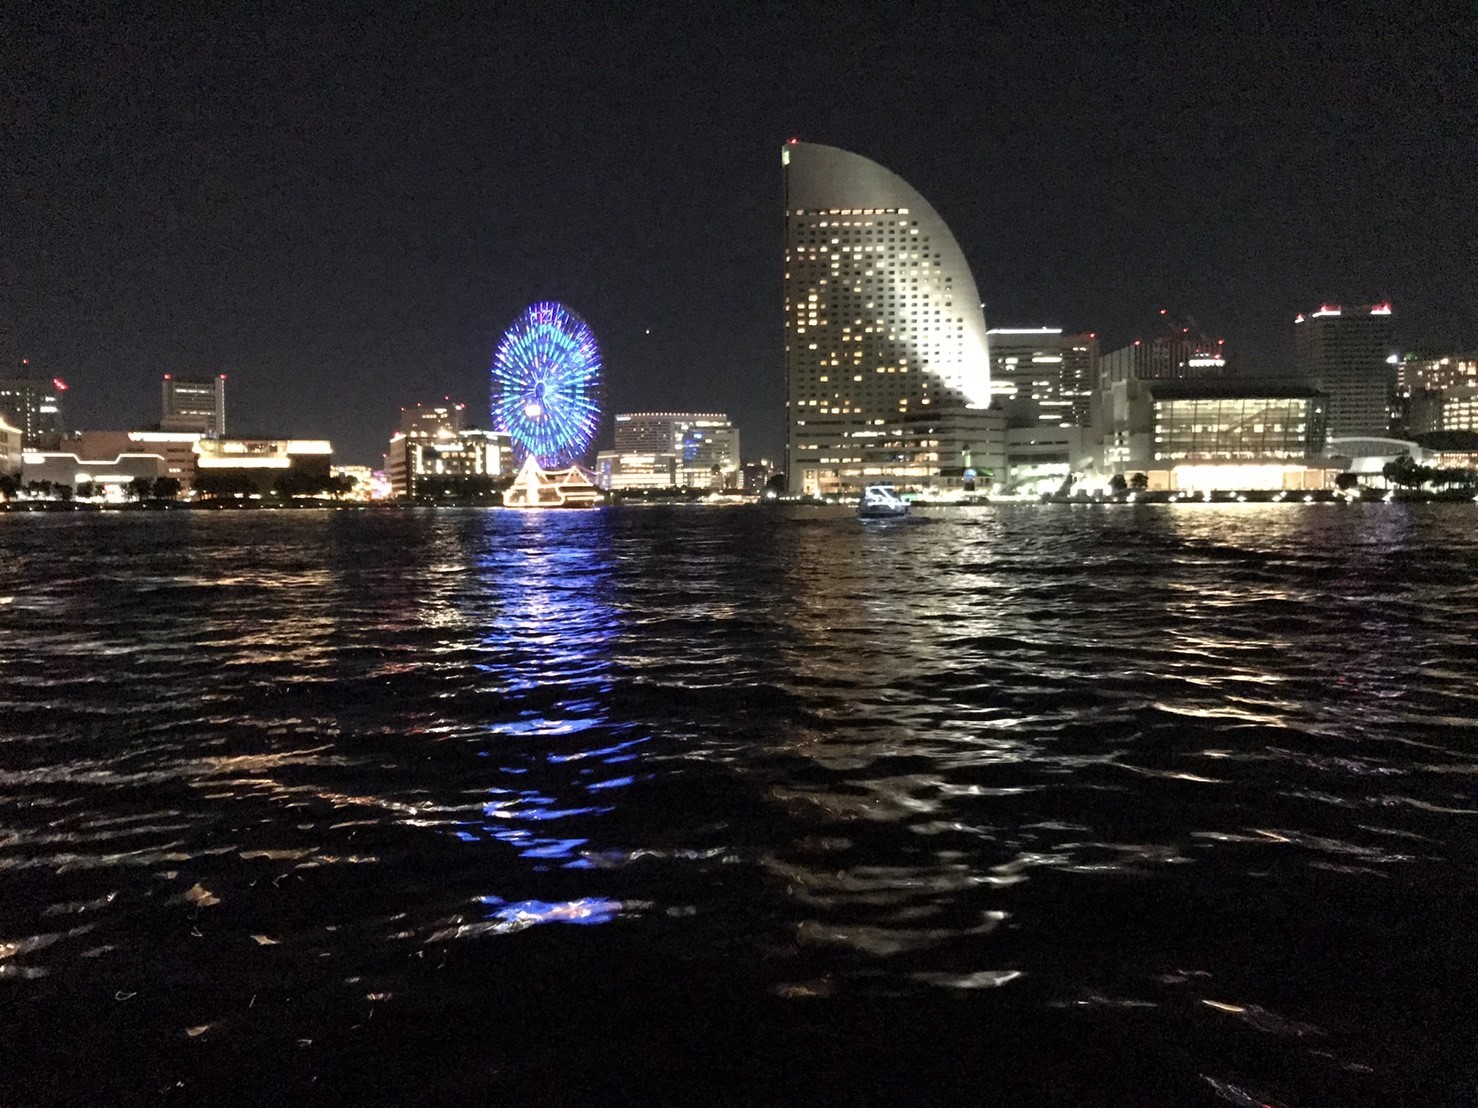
[885,338]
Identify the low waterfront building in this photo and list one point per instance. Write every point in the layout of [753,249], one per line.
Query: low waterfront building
[108,473]
[616,471]
[1454,449]
[260,465]
[1367,455]
[435,450]
[177,448]
[949,450]
[1039,458]
[364,485]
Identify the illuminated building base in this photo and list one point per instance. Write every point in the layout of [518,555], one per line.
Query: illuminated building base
[535,488]
[1276,476]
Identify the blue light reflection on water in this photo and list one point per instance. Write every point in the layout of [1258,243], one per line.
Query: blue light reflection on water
[548,633]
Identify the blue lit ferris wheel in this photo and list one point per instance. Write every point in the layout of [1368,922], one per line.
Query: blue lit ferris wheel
[546,385]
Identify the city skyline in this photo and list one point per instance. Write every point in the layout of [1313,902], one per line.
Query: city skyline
[197,199]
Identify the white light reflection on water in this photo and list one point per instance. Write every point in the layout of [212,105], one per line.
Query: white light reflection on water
[1117,760]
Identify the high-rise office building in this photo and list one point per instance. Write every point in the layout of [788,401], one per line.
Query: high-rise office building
[1346,353]
[35,406]
[884,332]
[198,406]
[1170,350]
[1043,376]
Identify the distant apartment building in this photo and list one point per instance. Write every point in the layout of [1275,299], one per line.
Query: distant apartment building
[434,442]
[108,461]
[1237,433]
[1459,410]
[1039,375]
[34,406]
[1450,371]
[1437,394]
[755,476]
[194,406]
[703,448]
[1346,354]
[952,449]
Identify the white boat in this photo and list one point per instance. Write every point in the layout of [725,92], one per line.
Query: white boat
[535,488]
[881,502]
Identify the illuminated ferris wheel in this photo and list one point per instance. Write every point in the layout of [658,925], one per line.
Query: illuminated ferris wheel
[546,385]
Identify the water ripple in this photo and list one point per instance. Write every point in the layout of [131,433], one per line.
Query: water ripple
[270,782]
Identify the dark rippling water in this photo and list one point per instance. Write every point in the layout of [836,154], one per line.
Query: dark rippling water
[1064,805]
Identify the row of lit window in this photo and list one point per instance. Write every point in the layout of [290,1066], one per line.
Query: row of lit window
[853,211]
[1229,429]
[1224,455]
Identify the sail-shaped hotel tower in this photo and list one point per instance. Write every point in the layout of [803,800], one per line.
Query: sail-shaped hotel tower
[887,366]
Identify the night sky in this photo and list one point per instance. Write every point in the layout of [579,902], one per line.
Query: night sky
[343,211]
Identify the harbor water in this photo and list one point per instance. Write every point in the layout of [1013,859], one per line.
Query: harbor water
[1018,804]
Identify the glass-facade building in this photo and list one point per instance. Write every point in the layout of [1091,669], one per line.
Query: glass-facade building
[1201,427]
[1233,433]
[883,325]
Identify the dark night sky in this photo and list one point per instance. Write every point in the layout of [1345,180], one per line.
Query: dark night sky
[343,211]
